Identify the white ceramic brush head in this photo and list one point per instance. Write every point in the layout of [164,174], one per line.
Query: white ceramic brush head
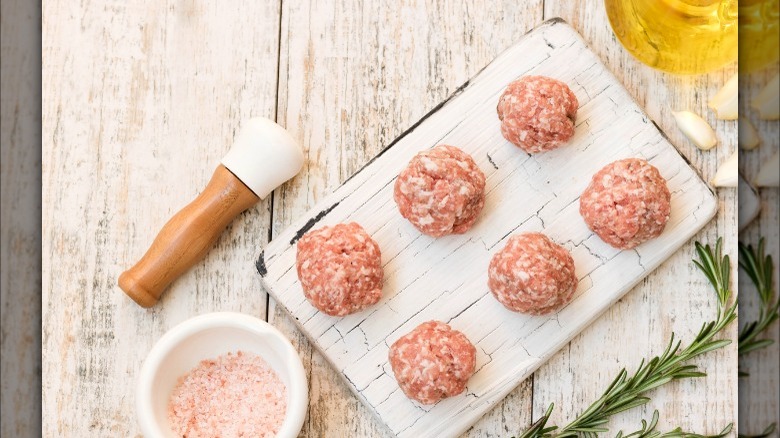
[264,155]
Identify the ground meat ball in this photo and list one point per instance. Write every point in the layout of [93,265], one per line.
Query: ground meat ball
[537,113]
[432,362]
[532,274]
[340,269]
[441,191]
[626,203]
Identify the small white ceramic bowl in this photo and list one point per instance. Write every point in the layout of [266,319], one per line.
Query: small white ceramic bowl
[207,337]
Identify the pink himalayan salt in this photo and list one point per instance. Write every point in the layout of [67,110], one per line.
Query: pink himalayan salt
[234,395]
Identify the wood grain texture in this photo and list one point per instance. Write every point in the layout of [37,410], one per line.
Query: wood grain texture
[420,280]
[20,221]
[760,392]
[142,100]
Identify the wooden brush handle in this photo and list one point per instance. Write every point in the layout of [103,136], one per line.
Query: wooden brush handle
[187,237]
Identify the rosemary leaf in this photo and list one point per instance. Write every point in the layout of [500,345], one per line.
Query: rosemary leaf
[747,347]
[690,375]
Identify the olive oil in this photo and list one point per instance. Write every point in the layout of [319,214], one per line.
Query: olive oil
[759,34]
[677,36]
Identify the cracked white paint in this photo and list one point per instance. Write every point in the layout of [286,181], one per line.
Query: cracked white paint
[446,278]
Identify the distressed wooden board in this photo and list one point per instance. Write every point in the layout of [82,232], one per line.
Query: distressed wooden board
[523,193]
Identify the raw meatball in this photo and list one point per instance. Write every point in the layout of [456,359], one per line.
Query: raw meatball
[537,113]
[441,191]
[432,362]
[626,203]
[532,274]
[340,269]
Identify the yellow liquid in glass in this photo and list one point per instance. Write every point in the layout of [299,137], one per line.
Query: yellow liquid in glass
[759,34]
[677,36]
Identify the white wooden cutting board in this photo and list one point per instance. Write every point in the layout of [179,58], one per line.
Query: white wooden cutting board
[446,278]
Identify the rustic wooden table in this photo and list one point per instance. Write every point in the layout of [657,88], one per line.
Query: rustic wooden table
[142,99]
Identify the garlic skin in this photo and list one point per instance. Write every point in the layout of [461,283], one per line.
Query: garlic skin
[767,101]
[749,203]
[698,131]
[728,172]
[748,136]
[769,173]
[725,102]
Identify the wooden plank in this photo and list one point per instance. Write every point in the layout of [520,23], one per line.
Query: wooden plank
[353,76]
[674,298]
[142,99]
[419,281]
[760,392]
[20,221]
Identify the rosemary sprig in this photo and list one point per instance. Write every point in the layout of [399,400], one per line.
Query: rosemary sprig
[648,431]
[628,392]
[759,268]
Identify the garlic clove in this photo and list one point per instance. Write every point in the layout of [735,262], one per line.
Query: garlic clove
[749,203]
[728,110]
[727,174]
[767,101]
[748,137]
[696,129]
[725,103]
[769,173]
[729,89]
